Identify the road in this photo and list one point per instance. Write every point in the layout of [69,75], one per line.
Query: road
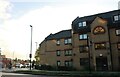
[22,75]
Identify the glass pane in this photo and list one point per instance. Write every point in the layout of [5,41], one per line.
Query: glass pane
[66,41]
[58,63]
[116,18]
[58,53]
[69,40]
[81,37]
[70,63]
[86,48]
[80,24]
[67,52]
[118,32]
[85,36]
[58,41]
[84,23]
[70,52]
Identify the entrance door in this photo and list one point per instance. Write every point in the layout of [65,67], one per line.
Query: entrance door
[101,64]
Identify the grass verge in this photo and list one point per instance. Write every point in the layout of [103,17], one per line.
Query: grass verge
[70,73]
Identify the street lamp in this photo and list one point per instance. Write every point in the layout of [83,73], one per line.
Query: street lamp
[30,55]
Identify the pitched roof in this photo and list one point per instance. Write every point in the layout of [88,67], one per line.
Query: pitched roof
[105,15]
[89,19]
[59,35]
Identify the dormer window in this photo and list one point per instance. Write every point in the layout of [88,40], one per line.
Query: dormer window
[116,17]
[82,24]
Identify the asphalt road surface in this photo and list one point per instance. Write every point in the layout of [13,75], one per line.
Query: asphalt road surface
[22,75]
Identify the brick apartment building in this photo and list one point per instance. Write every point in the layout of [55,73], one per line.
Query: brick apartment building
[93,41]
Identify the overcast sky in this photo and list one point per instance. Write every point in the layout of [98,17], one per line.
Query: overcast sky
[46,16]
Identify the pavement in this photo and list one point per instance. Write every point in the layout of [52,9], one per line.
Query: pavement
[13,69]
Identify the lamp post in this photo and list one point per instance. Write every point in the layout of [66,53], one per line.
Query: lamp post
[30,55]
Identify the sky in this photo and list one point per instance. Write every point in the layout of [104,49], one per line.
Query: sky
[46,17]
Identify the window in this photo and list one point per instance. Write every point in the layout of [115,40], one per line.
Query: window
[68,63]
[118,32]
[118,46]
[58,63]
[58,42]
[68,52]
[84,61]
[98,30]
[116,17]
[68,41]
[83,48]
[100,46]
[82,36]
[58,53]
[82,24]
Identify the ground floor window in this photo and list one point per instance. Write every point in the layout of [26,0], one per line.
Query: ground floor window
[58,63]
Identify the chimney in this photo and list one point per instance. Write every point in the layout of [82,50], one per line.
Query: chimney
[119,5]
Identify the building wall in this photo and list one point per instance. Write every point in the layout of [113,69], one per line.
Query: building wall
[49,49]
[42,53]
[77,54]
[115,52]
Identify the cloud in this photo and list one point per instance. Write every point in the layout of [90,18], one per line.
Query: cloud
[5,8]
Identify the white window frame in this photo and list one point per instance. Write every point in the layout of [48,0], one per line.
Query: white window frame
[68,52]
[80,24]
[117,31]
[58,63]
[58,42]
[116,18]
[58,53]
[84,23]
[82,36]
[68,41]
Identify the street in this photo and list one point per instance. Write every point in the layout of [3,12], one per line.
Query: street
[22,75]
